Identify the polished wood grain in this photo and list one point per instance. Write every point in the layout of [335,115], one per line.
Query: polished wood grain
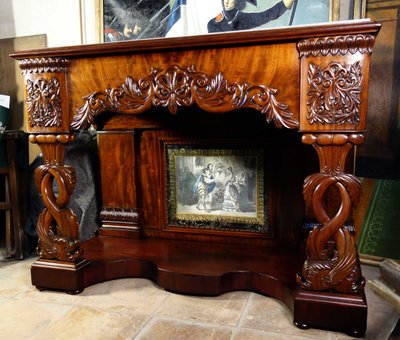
[246,88]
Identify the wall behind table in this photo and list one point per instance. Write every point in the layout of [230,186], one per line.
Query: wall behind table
[65,22]
[12,81]
[27,24]
[380,155]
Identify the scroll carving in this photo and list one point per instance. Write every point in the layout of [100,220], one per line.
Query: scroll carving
[43,65]
[43,102]
[182,87]
[338,45]
[57,225]
[332,260]
[334,94]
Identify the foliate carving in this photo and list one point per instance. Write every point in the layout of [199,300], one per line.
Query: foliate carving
[332,260]
[57,225]
[334,93]
[177,87]
[43,65]
[43,102]
[339,45]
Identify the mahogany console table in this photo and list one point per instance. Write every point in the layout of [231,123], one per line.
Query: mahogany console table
[258,99]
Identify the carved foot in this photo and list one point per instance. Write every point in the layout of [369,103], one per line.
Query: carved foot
[356,334]
[75,292]
[301,325]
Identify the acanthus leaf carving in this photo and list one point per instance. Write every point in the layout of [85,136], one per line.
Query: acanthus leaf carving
[57,225]
[327,268]
[43,102]
[334,94]
[332,260]
[182,87]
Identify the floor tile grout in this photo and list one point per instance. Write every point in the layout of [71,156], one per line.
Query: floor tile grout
[230,315]
[242,316]
[152,316]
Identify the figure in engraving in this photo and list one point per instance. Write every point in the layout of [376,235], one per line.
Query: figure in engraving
[204,187]
[235,195]
[185,192]
[128,29]
[231,194]
[232,18]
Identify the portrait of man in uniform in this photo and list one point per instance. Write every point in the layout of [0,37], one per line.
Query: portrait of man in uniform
[233,17]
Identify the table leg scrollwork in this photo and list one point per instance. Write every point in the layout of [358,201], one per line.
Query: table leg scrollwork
[332,260]
[57,226]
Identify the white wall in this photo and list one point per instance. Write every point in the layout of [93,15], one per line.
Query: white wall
[65,22]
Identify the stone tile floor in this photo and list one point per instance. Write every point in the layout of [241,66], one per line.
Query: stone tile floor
[138,309]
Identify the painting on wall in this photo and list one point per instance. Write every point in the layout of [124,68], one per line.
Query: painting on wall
[221,188]
[129,20]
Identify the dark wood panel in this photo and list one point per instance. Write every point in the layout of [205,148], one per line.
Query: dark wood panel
[117,168]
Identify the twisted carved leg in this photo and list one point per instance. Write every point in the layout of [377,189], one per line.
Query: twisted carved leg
[331,272]
[58,228]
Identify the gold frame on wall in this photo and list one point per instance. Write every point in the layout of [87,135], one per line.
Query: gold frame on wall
[356,9]
[99,21]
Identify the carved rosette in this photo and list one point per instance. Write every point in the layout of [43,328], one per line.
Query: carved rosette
[57,225]
[332,259]
[334,93]
[43,102]
[182,87]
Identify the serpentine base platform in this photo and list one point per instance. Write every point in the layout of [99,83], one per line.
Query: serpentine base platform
[202,269]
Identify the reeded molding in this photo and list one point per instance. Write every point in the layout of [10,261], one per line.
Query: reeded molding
[183,87]
[119,214]
[339,45]
[44,65]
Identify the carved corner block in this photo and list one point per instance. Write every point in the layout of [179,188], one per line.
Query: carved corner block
[334,82]
[46,102]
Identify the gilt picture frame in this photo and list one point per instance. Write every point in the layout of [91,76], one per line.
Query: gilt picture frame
[149,19]
[221,187]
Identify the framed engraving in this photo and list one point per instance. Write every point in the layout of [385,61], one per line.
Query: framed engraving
[220,187]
